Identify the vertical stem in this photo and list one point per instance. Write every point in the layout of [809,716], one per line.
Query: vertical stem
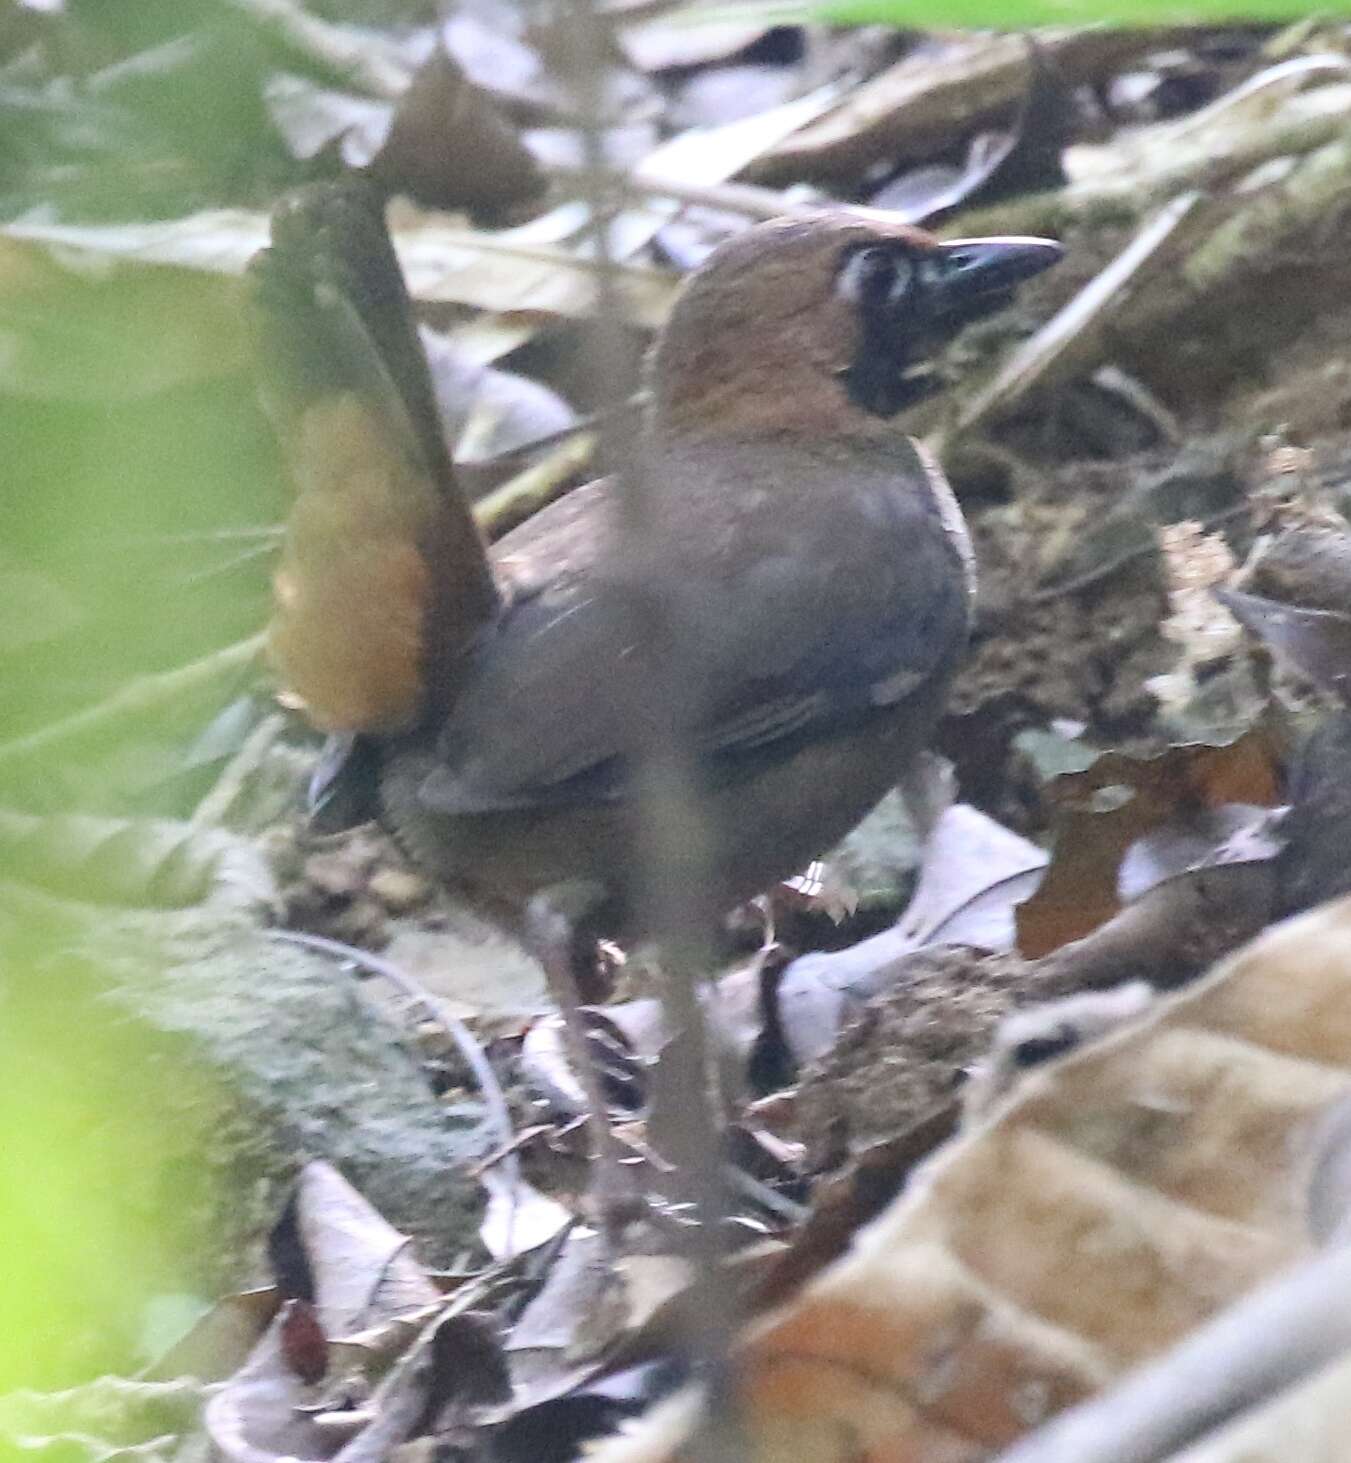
[654,693]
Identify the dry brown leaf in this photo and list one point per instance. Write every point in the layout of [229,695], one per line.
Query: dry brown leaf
[1080,890]
[1124,1195]
[451,146]
[364,1276]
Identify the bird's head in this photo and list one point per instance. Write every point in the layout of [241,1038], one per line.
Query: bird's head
[825,322]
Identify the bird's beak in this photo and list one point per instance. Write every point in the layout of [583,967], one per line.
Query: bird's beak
[975,275]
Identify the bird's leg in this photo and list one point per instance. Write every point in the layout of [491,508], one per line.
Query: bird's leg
[928,789]
[556,924]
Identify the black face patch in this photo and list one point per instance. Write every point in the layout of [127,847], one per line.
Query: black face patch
[909,304]
[883,282]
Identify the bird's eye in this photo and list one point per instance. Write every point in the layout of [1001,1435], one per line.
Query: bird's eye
[875,276]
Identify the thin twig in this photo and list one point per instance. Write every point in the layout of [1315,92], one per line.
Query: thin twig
[1075,331]
[1259,1346]
[747,199]
[670,816]
[789,1210]
[672,854]
[494,1099]
[523,451]
[535,487]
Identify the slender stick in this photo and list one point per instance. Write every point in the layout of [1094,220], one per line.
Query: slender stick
[742,198]
[1245,1355]
[494,1098]
[672,854]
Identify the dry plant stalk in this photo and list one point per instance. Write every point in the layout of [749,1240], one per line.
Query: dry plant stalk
[654,696]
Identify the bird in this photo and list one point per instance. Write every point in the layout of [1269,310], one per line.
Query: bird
[821,579]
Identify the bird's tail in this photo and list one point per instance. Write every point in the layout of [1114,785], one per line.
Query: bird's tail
[384,577]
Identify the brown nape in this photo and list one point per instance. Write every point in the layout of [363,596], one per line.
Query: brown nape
[759,339]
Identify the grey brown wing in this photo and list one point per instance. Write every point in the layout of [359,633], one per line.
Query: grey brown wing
[783,656]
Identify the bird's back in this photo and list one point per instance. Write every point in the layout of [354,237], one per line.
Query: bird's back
[819,594]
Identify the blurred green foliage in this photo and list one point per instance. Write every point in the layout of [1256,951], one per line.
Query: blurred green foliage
[105,1195]
[110,568]
[137,474]
[139,488]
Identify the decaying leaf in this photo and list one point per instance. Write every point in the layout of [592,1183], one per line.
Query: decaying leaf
[1024,156]
[677,40]
[1102,811]
[504,272]
[487,413]
[518,1217]
[451,146]
[1124,1195]
[578,1312]
[362,1275]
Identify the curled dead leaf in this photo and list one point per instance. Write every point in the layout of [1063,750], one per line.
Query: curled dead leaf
[451,146]
[1103,810]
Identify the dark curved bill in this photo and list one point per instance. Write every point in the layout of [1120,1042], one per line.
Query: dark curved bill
[975,266]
